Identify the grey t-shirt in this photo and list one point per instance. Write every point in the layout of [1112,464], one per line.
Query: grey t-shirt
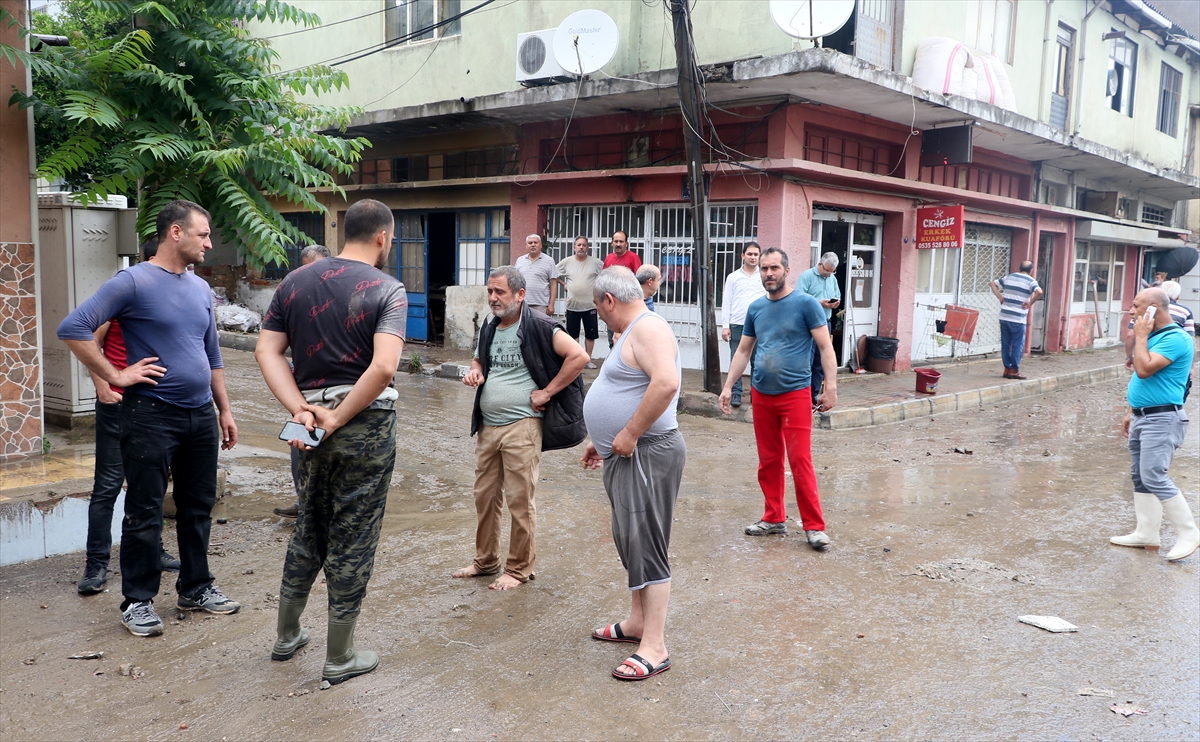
[505,398]
[537,278]
[580,276]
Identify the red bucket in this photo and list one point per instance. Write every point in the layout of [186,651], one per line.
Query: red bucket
[927,380]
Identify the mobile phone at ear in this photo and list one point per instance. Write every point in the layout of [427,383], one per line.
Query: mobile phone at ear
[294,430]
[1151,311]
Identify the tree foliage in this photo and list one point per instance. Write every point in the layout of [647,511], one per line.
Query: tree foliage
[175,99]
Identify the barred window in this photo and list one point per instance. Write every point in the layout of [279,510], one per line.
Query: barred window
[1156,215]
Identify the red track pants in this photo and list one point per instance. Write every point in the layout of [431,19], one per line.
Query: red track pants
[784,421]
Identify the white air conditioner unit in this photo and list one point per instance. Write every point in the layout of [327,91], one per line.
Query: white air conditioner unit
[535,59]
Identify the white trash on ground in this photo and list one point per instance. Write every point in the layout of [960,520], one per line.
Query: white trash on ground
[1049,623]
[237,318]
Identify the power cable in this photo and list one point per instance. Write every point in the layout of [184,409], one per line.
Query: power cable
[567,128]
[336,23]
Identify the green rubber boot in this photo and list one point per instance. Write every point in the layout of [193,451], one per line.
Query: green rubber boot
[342,660]
[290,635]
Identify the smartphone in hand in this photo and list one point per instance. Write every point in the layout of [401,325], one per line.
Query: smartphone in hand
[1151,311]
[294,430]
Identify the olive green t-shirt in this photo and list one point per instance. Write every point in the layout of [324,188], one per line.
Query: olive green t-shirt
[506,390]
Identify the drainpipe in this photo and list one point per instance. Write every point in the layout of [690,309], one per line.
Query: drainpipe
[1079,76]
[1045,57]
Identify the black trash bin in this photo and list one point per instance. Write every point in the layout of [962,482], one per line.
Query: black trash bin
[881,354]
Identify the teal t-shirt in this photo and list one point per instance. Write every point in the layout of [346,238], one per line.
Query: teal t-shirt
[506,390]
[782,330]
[820,288]
[1166,386]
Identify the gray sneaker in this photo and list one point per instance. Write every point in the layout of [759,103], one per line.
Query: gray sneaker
[763,528]
[817,539]
[141,620]
[211,600]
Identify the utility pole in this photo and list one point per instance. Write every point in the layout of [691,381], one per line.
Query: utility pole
[689,86]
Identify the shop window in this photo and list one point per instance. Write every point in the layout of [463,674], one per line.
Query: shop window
[1122,72]
[1099,274]
[410,21]
[1170,83]
[937,270]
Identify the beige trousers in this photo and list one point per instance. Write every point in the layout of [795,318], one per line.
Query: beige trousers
[507,459]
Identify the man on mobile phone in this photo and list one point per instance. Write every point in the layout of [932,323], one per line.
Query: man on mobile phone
[820,282]
[167,418]
[1156,424]
[344,320]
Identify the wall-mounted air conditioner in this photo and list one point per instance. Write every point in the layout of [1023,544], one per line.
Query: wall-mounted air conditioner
[535,59]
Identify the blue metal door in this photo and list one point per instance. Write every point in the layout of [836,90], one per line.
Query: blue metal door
[407,262]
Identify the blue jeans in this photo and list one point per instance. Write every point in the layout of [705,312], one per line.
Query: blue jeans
[1012,343]
[818,371]
[1153,440]
[735,339]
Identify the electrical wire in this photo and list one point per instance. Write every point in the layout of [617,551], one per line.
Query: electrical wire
[567,128]
[354,56]
[336,23]
[912,131]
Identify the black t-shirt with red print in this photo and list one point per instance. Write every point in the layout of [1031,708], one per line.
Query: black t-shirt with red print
[330,311]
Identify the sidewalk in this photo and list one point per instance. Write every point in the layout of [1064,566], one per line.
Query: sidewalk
[877,399]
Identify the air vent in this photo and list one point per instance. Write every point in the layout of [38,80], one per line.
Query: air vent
[532,55]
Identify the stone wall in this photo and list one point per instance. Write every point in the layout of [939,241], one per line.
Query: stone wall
[20,377]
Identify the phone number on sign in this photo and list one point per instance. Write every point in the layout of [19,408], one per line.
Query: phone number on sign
[937,245]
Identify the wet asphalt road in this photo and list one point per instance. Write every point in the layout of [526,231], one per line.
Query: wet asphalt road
[934,556]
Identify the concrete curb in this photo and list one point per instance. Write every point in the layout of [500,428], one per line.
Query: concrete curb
[238,340]
[705,405]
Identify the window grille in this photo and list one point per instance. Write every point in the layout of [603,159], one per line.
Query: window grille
[1156,215]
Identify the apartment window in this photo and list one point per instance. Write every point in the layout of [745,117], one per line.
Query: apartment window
[1170,82]
[1122,70]
[990,26]
[410,168]
[1156,215]
[1060,96]
[410,21]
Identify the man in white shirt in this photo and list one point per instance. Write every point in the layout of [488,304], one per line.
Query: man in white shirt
[541,277]
[742,287]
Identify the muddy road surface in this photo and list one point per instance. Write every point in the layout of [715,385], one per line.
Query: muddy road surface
[905,629]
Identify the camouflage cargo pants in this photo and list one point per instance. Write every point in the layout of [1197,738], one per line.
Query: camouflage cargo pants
[343,488]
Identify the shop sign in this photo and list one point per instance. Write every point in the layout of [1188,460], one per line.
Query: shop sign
[940,227]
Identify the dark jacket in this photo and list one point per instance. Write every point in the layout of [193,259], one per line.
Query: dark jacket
[562,420]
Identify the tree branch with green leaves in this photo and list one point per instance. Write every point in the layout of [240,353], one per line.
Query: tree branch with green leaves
[176,99]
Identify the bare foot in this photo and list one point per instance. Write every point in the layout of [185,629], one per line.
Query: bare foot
[469,571]
[505,582]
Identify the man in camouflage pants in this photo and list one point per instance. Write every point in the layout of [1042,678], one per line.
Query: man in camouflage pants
[344,320]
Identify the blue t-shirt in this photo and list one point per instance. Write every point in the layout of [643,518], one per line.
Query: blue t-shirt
[1166,386]
[163,314]
[782,330]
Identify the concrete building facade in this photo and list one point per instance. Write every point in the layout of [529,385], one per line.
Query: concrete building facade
[1088,173]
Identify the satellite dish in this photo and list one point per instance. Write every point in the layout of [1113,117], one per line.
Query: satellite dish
[586,41]
[811,19]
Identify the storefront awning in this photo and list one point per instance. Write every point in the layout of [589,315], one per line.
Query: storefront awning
[1124,234]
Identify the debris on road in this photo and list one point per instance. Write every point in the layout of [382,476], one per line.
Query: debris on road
[87,656]
[1128,711]
[1053,624]
[326,685]
[958,570]
[1095,692]
[965,451]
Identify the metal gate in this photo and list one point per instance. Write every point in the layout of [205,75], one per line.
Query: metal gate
[662,235]
[986,256]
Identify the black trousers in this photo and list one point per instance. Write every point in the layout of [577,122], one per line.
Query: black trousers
[157,437]
[109,476]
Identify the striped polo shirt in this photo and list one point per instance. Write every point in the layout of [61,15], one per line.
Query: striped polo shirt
[1017,288]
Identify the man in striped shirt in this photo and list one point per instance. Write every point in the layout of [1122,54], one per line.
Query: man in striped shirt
[1017,292]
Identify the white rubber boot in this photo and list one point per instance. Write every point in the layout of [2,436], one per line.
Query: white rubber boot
[1149,511]
[1187,535]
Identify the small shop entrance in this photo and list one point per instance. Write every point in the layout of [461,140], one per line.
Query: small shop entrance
[856,239]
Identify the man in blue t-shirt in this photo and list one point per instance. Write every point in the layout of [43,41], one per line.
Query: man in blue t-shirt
[167,420]
[1017,292]
[1156,424]
[783,330]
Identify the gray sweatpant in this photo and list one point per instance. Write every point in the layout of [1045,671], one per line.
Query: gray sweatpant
[643,490]
[1152,443]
